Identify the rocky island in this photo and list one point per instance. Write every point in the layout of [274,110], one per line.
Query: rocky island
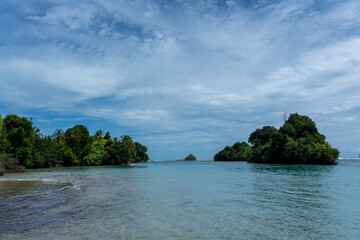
[296,142]
[190,157]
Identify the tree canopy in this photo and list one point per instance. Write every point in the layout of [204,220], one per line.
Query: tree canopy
[240,151]
[296,142]
[22,144]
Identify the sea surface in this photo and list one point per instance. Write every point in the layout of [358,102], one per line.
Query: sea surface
[183,200]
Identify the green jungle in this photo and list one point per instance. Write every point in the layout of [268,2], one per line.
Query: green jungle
[296,142]
[23,146]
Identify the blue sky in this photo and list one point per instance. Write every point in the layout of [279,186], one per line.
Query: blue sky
[183,76]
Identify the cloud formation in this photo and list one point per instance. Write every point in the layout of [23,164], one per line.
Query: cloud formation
[184,76]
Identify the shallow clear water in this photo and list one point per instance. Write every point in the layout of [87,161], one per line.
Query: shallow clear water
[183,200]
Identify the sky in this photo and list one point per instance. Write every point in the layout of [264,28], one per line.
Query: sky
[183,76]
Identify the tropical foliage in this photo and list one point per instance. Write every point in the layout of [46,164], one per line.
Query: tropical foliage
[296,142]
[22,144]
[240,151]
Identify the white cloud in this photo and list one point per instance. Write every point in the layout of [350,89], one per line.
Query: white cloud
[325,73]
[86,81]
[80,16]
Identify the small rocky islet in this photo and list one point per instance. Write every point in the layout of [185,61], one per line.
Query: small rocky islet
[190,157]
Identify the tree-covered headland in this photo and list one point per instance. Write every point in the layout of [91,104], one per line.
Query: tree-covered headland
[22,145]
[296,142]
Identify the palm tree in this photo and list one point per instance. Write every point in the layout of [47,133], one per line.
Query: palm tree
[127,140]
[98,134]
[59,136]
[37,132]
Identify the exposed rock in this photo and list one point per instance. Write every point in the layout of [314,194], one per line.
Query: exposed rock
[2,166]
[12,164]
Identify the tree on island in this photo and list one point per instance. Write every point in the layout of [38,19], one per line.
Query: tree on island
[19,136]
[190,157]
[240,151]
[22,145]
[59,136]
[296,142]
[141,155]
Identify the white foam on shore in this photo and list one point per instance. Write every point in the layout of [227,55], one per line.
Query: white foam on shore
[29,180]
[72,184]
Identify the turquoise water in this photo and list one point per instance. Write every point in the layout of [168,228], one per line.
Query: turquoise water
[183,200]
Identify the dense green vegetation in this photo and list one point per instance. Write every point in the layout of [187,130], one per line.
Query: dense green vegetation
[240,151]
[190,157]
[22,145]
[296,142]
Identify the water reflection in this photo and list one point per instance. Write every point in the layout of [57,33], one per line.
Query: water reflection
[295,196]
[303,170]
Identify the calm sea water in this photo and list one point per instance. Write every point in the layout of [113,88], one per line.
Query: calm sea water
[183,200]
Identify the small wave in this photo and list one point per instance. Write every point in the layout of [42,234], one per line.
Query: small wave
[28,180]
[38,180]
[76,186]
[30,187]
